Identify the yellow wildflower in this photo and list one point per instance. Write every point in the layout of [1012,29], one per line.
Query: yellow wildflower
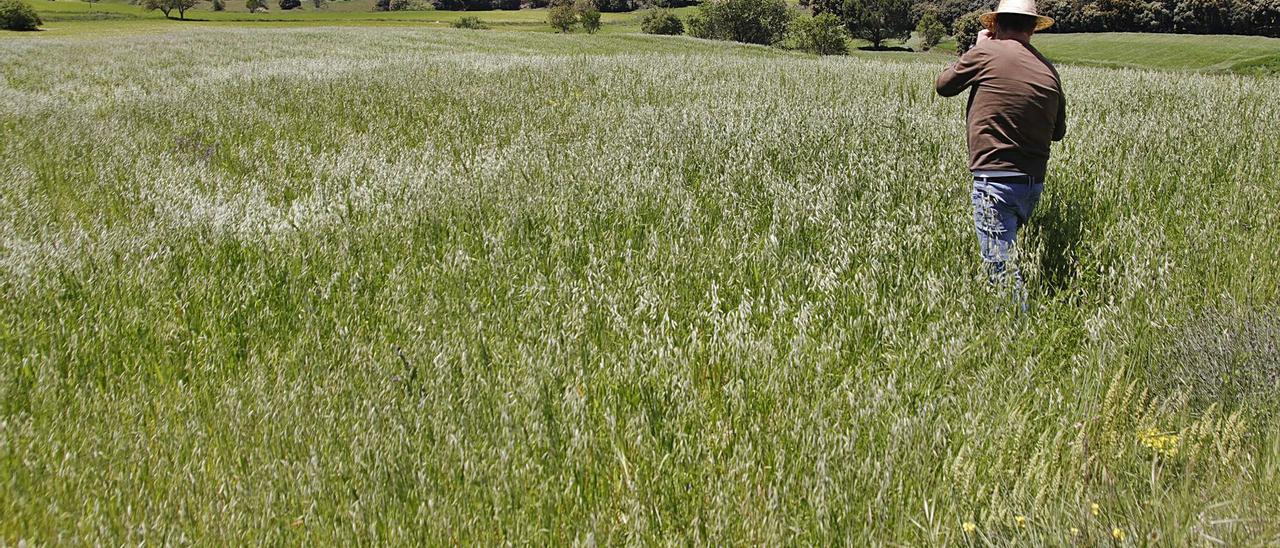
[1117,534]
[1095,509]
[969,527]
[1160,444]
[1075,532]
[1022,521]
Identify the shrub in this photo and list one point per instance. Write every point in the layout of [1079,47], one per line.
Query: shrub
[616,5]
[822,34]
[470,22]
[749,21]
[930,30]
[290,4]
[17,15]
[256,6]
[966,31]
[590,20]
[561,16]
[661,21]
[877,20]
[219,5]
[395,5]
[588,15]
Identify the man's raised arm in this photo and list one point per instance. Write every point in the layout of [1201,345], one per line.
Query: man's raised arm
[960,75]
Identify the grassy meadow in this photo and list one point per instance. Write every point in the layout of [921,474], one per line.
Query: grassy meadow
[430,286]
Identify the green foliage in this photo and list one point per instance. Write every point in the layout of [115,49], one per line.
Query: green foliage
[930,31]
[966,31]
[877,20]
[1257,17]
[749,21]
[822,34]
[661,21]
[255,6]
[17,15]
[562,16]
[397,5]
[168,6]
[290,4]
[218,5]
[470,22]
[948,11]
[590,20]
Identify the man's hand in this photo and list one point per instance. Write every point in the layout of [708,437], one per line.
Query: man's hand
[983,36]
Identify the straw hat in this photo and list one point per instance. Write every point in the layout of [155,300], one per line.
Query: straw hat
[1020,7]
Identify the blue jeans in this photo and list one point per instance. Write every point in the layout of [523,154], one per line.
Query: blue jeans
[999,210]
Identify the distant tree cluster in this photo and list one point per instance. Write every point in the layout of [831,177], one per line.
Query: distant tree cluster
[607,6]
[750,21]
[564,15]
[167,7]
[17,15]
[1257,17]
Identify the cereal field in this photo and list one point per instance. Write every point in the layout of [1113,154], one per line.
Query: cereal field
[393,286]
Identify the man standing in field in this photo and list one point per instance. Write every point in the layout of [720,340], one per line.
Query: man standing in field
[1016,109]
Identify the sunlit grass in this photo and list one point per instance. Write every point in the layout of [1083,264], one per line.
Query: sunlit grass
[433,286]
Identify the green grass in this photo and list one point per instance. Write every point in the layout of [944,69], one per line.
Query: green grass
[1162,51]
[74,18]
[427,286]
[1239,54]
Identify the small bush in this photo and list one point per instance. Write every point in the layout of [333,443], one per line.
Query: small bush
[561,16]
[256,6]
[590,21]
[930,31]
[748,21]
[470,22]
[17,15]
[822,34]
[290,4]
[219,5]
[661,21]
[966,31]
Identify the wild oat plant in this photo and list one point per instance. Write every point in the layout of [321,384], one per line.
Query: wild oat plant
[430,286]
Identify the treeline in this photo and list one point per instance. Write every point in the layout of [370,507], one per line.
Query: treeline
[1256,17]
[602,5]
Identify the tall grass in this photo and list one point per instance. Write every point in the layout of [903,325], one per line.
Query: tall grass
[396,286]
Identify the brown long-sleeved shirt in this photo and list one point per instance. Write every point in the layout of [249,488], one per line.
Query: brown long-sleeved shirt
[1016,105]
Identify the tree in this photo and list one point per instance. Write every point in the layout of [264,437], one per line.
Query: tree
[590,20]
[1261,17]
[966,30]
[17,15]
[561,16]
[167,6]
[930,30]
[878,20]
[822,34]
[748,21]
[661,21]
